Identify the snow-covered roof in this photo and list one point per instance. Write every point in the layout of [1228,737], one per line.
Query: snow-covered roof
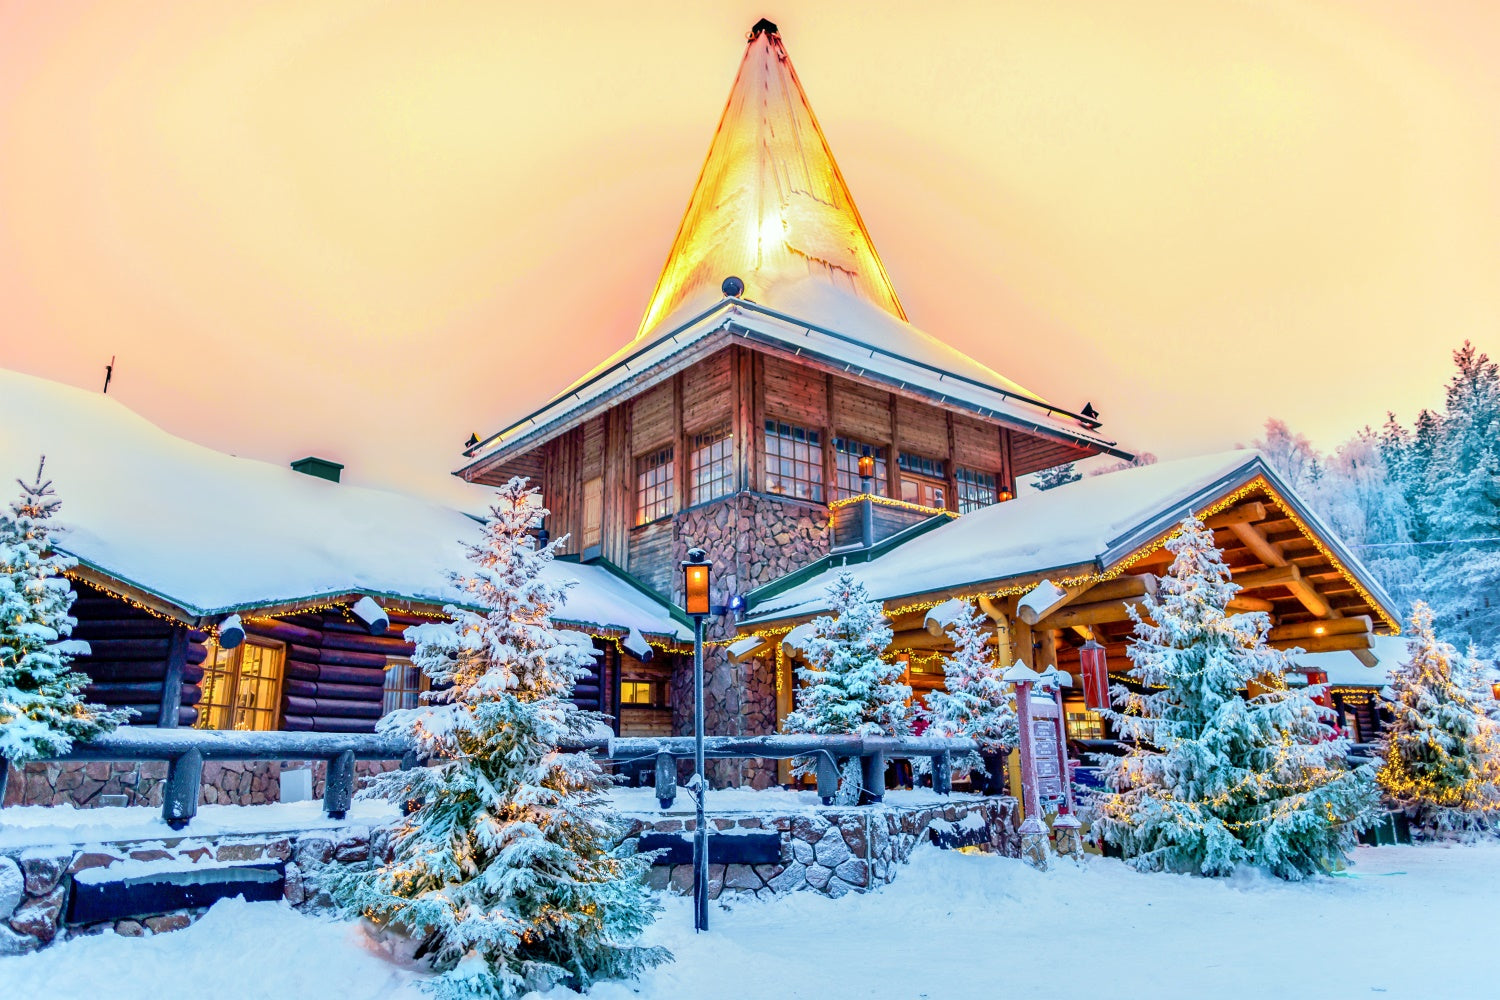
[211,533]
[771,208]
[1094,522]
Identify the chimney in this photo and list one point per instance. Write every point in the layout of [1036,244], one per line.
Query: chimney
[319,467]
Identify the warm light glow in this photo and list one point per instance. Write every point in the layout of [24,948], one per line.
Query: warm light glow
[867,467]
[695,589]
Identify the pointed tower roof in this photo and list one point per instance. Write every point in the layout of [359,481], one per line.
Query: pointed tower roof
[771,210]
[770,204]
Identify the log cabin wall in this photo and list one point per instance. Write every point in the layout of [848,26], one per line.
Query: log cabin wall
[132,655]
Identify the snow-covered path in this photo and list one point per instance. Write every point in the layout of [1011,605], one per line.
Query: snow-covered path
[1410,923]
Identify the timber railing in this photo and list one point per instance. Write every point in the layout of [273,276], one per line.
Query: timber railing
[186,750]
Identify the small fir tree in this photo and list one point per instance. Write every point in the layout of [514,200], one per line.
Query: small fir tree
[1213,780]
[976,703]
[42,710]
[509,865]
[1442,750]
[848,688]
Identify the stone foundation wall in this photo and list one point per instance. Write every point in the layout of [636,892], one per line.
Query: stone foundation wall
[35,883]
[750,539]
[248,783]
[834,851]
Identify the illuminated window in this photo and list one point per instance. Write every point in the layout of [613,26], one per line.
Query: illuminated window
[794,461]
[924,481]
[653,485]
[241,687]
[636,693]
[711,464]
[404,684]
[1085,725]
[846,456]
[975,489]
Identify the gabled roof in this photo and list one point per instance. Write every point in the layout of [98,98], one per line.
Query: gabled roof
[1083,530]
[771,208]
[203,533]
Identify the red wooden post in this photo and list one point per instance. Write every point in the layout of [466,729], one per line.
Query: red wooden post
[1033,834]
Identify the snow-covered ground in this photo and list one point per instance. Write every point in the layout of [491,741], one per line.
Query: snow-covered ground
[1408,922]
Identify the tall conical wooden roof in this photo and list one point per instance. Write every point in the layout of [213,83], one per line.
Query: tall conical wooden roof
[770,203]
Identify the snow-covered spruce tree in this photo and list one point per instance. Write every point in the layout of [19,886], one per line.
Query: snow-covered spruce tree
[1442,750]
[977,703]
[1213,780]
[42,710]
[848,689]
[509,867]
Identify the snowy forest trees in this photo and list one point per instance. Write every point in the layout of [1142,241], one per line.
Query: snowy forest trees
[977,703]
[1420,506]
[847,687]
[42,710]
[1061,475]
[1442,750]
[507,867]
[1214,780]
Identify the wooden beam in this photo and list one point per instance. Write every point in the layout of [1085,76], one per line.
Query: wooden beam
[1097,613]
[1242,514]
[1327,643]
[1030,613]
[1272,577]
[1120,588]
[1333,626]
[1303,590]
[1241,604]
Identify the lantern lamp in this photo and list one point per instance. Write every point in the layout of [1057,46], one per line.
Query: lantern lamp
[696,578]
[866,471]
[1006,495]
[1495,690]
[1093,663]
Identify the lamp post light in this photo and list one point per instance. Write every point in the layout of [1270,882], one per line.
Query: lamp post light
[867,473]
[696,580]
[867,505]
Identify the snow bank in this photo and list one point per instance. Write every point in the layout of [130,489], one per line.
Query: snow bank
[1407,923]
[37,826]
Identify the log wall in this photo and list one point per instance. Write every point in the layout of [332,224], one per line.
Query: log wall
[131,654]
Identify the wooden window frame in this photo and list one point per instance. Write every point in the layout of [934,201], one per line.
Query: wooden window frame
[232,674]
[402,690]
[655,485]
[782,442]
[976,489]
[846,456]
[927,478]
[593,514]
[711,464]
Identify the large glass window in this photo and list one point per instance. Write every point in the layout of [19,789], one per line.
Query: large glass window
[924,481]
[654,474]
[794,461]
[846,456]
[404,684]
[241,687]
[975,489]
[711,464]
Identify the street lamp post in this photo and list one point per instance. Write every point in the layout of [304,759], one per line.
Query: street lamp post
[696,576]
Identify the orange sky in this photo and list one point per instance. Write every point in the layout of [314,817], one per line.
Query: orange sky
[365,229]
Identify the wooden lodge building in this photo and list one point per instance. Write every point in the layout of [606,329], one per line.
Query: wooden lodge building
[227,593]
[773,355]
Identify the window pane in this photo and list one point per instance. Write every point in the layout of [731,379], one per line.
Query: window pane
[654,475]
[794,461]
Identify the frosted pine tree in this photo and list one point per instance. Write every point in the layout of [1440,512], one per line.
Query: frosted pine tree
[848,688]
[1213,780]
[1442,750]
[1058,475]
[508,866]
[42,710]
[977,703]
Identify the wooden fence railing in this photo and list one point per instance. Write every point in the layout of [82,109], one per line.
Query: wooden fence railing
[186,750]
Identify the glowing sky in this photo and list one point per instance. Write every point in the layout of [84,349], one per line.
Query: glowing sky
[363,230]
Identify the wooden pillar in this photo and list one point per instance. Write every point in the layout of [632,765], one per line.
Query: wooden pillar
[171,682]
[745,431]
[830,467]
[1047,653]
[1022,638]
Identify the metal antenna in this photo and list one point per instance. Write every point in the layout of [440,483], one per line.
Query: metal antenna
[109,372]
